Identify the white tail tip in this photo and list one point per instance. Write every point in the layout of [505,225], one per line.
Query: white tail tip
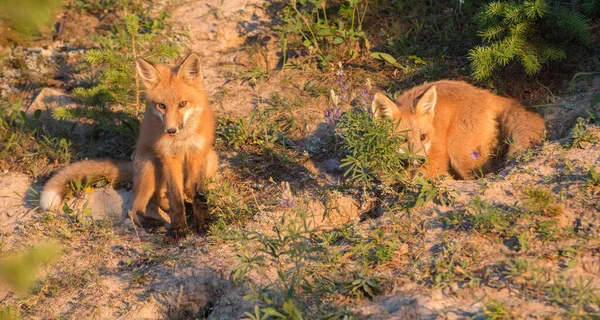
[50,200]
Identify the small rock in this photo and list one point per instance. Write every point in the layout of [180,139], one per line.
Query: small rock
[333,165]
[48,99]
[46,53]
[392,306]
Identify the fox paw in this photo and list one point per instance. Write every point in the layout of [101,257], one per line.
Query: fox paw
[142,220]
[201,213]
[177,233]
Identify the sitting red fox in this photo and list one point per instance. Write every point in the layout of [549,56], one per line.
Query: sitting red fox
[173,154]
[459,128]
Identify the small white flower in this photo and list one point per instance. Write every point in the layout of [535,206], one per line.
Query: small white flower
[335,98]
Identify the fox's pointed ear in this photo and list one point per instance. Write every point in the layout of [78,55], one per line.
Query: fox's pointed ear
[190,69]
[426,104]
[382,106]
[150,76]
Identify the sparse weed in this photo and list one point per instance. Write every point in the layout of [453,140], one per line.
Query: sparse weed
[364,286]
[537,199]
[310,266]
[259,130]
[20,270]
[578,297]
[450,265]
[290,251]
[593,180]
[10,313]
[27,145]
[322,29]
[483,217]
[496,310]
[547,230]
[227,208]
[581,137]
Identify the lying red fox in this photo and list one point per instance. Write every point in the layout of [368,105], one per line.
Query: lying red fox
[459,128]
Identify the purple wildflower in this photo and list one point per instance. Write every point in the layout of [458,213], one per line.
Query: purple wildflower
[366,100]
[332,114]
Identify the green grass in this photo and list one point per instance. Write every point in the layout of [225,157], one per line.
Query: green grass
[539,200]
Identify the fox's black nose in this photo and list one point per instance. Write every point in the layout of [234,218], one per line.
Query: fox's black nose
[171,130]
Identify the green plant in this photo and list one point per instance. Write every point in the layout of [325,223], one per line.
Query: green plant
[10,313]
[371,148]
[25,143]
[28,16]
[432,189]
[290,252]
[227,207]
[484,217]
[581,135]
[580,298]
[321,27]
[20,270]
[494,309]
[137,35]
[259,130]
[593,180]
[540,200]
[532,32]
[364,285]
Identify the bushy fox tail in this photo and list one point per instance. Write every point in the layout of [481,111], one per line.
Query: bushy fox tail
[521,127]
[89,171]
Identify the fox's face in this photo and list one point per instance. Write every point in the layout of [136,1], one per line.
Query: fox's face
[172,94]
[413,115]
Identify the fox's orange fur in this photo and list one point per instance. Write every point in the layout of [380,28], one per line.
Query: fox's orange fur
[461,129]
[174,151]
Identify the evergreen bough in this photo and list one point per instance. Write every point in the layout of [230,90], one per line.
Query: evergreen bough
[118,82]
[532,32]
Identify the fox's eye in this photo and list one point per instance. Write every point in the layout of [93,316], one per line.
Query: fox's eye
[182,104]
[161,106]
[423,137]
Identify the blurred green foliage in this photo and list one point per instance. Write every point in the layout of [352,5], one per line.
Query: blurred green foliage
[27,16]
[20,271]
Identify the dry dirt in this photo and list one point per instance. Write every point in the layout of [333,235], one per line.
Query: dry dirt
[108,273]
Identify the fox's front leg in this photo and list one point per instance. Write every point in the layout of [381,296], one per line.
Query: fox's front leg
[173,174]
[200,167]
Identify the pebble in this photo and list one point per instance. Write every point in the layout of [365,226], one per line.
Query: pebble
[333,165]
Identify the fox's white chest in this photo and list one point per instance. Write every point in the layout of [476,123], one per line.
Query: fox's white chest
[181,144]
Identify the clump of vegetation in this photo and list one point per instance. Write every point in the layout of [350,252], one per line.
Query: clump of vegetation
[26,145]
[137,35]
[259,130]
[300,263]
[581,136]
[29,15]
[20,271]
[327,31]
[483,217]
[371,148]
[538,199]
[531,32]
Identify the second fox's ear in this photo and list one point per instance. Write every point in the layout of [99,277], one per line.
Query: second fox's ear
[190,69]
[382,106]
[426,103]
[150,76]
